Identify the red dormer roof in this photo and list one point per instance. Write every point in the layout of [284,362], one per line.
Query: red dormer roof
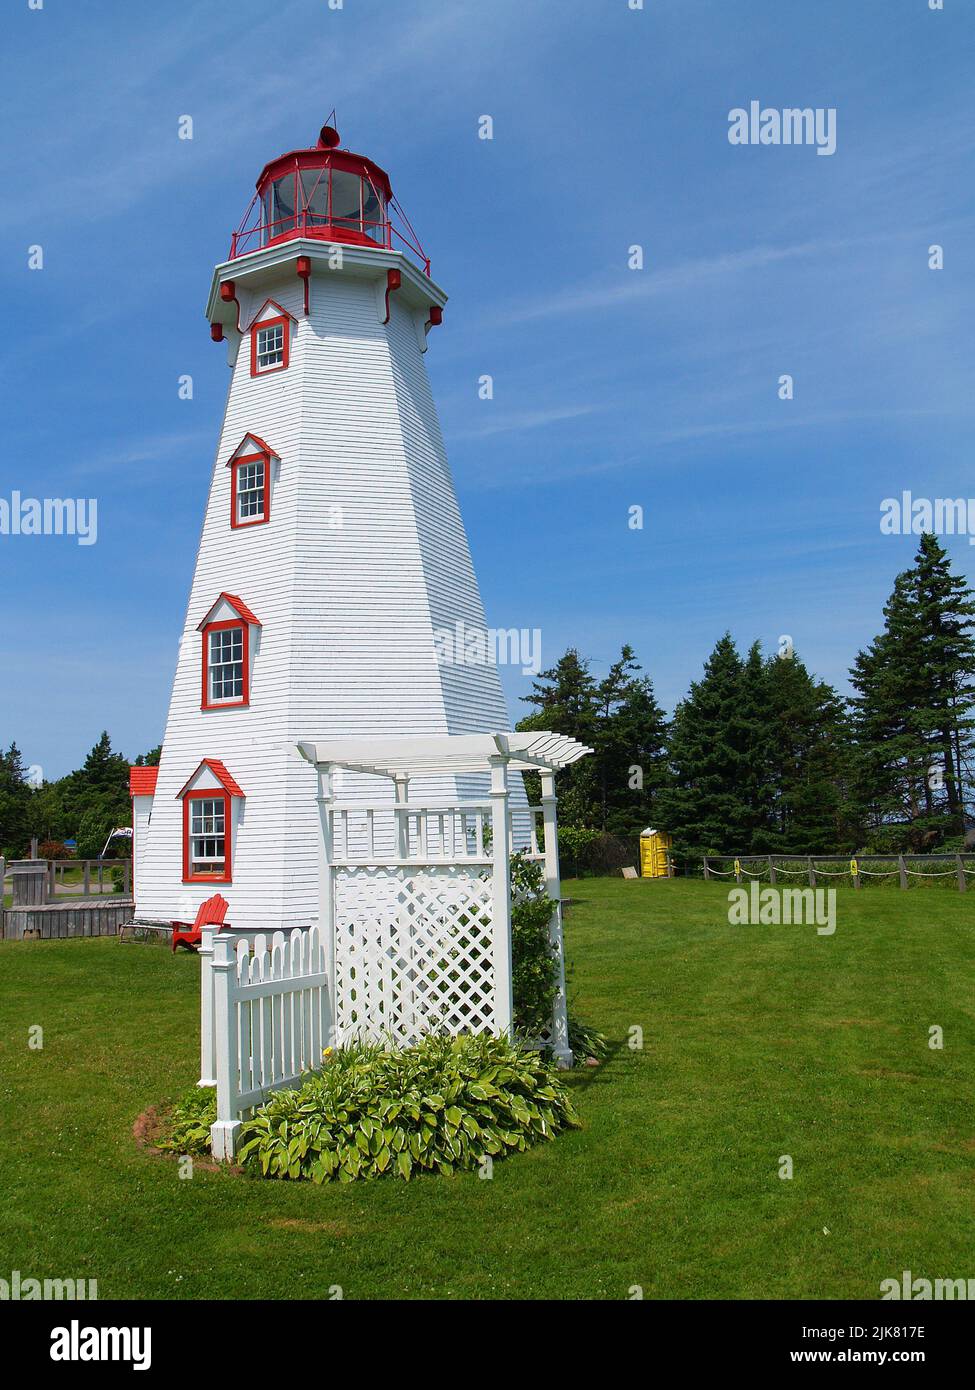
[282,312]
[222,775]
[142,781]
[255,439]
[239,607]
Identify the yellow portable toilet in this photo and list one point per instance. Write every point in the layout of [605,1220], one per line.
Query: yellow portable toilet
[654,845]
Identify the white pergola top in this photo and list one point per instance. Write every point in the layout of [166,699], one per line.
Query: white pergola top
[429,753]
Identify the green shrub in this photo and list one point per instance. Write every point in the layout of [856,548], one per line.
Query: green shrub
[593,852]
[438,1107]
[53,849]
[586,1041]
[187,1127]
[534,962]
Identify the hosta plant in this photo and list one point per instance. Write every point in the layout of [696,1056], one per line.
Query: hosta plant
[586,1041]
[439,1107]
[187,1126]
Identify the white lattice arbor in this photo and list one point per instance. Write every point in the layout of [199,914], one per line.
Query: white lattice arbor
[416,897]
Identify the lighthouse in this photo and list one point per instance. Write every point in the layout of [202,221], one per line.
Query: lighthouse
[332,551]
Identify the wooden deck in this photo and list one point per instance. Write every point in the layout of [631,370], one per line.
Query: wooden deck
[50,921]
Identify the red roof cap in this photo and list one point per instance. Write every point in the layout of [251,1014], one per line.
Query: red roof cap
[142,781]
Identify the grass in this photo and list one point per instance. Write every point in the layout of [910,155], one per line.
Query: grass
[757,1042]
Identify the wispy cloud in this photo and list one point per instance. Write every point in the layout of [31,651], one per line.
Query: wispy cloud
[525,420]
[125,454]
[608,292]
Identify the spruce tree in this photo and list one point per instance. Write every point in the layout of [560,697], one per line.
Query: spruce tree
[946,619]
[912,713]
[14,804]
[566,702]
[811,776]
[98,792]
[705,807]
[630,747]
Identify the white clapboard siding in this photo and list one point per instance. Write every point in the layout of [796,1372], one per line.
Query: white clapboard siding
[348,612]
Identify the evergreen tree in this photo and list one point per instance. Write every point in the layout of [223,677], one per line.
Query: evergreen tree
[706,806]
[14,804]
[809,736]
[635,749]
[99,791]
[946,619]
[618,718]
[629,747]
[566,701]
[912,717]
[759,753]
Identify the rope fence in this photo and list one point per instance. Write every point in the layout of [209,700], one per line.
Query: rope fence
[769,867]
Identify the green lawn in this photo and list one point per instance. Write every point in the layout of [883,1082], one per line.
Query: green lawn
[758,1042]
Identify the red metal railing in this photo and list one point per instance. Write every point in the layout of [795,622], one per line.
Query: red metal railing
[383,234]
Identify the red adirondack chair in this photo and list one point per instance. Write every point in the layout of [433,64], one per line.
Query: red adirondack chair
[212,913]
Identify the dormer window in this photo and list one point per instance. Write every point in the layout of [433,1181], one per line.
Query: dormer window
[250,482]
[211,805]
[270,339]
[226,632]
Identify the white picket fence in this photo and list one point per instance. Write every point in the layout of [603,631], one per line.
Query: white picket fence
[270,1021]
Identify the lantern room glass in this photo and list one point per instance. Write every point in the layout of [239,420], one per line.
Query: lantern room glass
[326,197]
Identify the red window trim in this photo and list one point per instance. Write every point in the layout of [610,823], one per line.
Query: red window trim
[285,321]
[207,703]
[235,463]
[208,794]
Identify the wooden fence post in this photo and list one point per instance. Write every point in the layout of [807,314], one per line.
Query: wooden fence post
[962,881]
[737,870]
[812,873]
[902,870]
[28,882]
[223,1134]
[707,868]
[771,871]
[86,878]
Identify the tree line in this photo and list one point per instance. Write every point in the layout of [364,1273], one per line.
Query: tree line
[761,756]
[86,805]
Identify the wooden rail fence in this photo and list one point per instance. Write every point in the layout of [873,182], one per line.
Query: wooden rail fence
[43,906]
[854,868]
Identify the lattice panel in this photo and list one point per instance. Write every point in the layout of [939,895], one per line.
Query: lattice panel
[414,951]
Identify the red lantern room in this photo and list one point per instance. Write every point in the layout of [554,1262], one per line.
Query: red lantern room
[328,194]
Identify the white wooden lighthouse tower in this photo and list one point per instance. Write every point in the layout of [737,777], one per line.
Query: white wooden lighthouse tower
[332,551]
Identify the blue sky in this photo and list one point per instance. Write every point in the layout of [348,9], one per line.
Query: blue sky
[613,387]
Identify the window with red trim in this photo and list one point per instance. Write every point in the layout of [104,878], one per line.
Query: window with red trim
[226,664]
[207,836]
[250,490]
[270,345]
